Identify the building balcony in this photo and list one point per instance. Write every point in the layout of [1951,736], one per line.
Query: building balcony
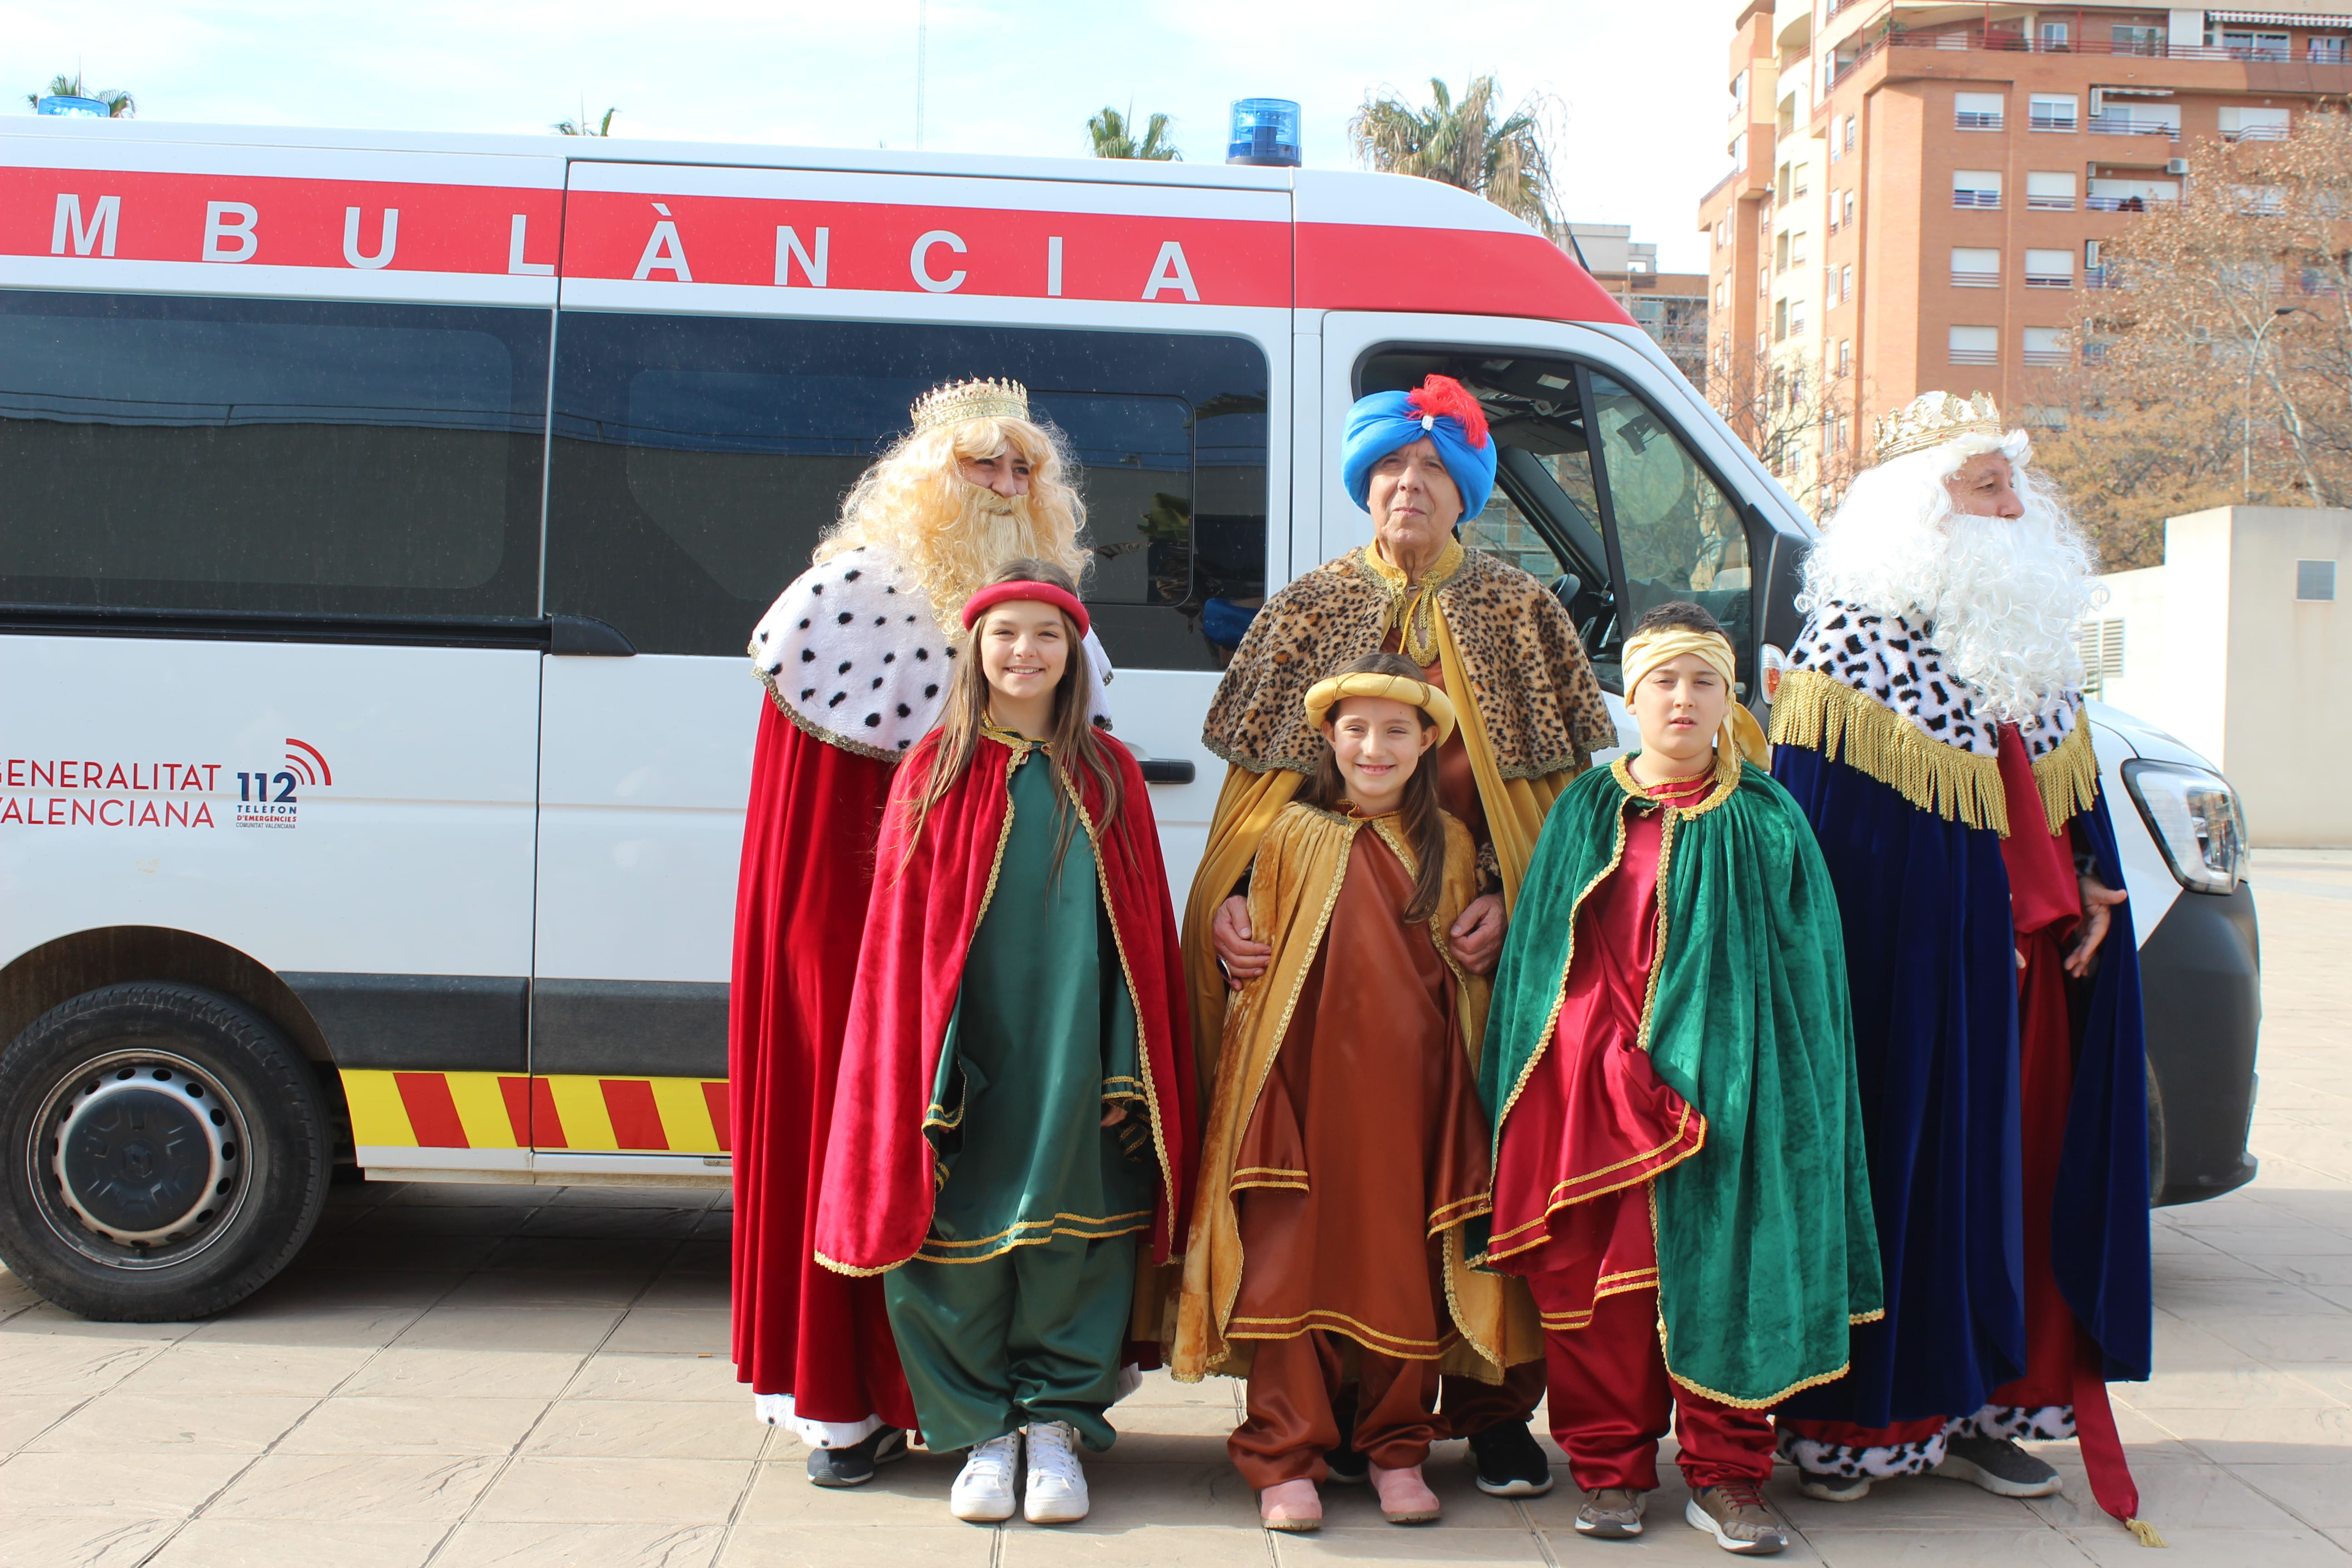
[1972,198]
[2049,280]
[2051,203]
[2122,123]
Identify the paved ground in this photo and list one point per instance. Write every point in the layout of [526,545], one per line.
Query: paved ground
[468,1375]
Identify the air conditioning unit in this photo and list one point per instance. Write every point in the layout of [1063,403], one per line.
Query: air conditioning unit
[2176,165]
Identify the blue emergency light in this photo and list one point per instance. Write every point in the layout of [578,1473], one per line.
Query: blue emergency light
[1266,131]
[81,108]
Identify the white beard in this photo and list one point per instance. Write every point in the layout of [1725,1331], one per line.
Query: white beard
[2002,599]
[2007,603]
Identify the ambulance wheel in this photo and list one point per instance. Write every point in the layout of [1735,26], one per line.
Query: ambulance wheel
[166,1154]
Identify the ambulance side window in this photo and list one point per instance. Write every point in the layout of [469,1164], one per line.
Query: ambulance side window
[285,457]
[698,460]
[1679,533]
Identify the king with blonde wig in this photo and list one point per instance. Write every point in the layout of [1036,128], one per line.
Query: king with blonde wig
[859,657]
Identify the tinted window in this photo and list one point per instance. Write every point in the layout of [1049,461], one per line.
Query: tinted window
[1679,532]
[265,455]
[698,459]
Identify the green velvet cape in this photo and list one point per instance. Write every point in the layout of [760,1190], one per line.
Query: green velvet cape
[1767,1253]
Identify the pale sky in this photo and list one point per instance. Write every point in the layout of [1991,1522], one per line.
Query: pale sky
[1642,82]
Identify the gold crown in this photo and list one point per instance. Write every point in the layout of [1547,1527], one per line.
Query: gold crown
[1932,418]
[956,401]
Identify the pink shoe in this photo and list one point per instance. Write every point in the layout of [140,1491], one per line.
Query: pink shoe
[1292,1506]
[1405,1498]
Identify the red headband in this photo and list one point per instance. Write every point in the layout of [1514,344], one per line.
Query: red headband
[996,593]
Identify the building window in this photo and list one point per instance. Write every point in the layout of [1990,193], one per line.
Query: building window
[1780,321]
[1976,345]
[2055,38]
[2314,581]
[2051,193]
[1797,248]
[2327,48]
[2045,345]
[2135,118]
[2051,110]
[2050,269]
[2255,46]
[1846,356]
[1849,207]
[2137,39]
[2242,125]
[1845,283]
[1720,291]
[2100,644]
[1974,267]
[1850,124]
[1796,317]
[1977,111]
[1797,173]
[1976,188]
[2046,417]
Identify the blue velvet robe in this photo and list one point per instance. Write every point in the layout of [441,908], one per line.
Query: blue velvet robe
[1929,957]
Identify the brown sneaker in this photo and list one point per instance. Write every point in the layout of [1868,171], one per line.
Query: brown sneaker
[1611,1513]
[1735,1514]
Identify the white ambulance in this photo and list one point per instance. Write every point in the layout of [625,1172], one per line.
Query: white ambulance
[382,518]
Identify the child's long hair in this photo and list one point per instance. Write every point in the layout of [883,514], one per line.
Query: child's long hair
[1423,818]
[1081,754]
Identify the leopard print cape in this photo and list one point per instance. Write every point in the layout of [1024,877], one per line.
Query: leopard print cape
[1871,690]
[1537,698]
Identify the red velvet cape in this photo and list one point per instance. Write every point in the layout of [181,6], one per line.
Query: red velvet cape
[875,1207]
[800,914]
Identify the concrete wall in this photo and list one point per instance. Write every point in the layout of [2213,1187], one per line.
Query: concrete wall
[2218,651]
[2288,729]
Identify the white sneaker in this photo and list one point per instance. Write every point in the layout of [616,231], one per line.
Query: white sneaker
[1056,1491]
[982,1493]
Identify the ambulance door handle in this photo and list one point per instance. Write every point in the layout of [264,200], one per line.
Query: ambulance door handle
[1166,770]
[584,636]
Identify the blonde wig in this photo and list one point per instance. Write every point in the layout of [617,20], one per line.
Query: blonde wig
[954,536]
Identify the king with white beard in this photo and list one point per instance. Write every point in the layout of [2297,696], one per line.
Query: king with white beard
[1931,726]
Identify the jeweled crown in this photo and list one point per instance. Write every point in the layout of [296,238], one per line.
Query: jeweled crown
[1932,418]
[983,398]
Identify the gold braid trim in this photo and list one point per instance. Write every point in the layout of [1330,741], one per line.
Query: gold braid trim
[2068,775]
[1823,714]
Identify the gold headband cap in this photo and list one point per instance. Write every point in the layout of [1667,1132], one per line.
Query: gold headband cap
[1932,418]
[1325,695]
[1741,735]
[958,401]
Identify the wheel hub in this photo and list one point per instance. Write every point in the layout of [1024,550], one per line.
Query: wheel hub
[145,1152]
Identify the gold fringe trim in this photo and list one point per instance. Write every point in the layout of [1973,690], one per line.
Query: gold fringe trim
[2068,777]
[1825,715]
[2145,1532]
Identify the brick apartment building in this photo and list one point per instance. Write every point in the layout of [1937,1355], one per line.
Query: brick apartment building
[1670,306]
[1919,190]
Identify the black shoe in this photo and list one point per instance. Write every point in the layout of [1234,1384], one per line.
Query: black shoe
[854,1466]
[1999,1465]
[1510,1461]
[1348,1468]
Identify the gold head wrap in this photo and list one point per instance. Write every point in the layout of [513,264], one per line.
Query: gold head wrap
[1741,735]
[956,401]
[1324,696]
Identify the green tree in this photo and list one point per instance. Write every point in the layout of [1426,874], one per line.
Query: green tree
[580,127]
[1501,157]
[119,105]
[1113,137]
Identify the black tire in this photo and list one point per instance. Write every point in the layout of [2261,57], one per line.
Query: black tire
[165,1154]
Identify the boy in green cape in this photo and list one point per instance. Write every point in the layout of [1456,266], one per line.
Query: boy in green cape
[1679,1171]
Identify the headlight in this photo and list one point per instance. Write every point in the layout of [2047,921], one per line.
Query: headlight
[2194,816]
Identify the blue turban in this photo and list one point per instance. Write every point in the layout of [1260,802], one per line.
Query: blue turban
[1440,408]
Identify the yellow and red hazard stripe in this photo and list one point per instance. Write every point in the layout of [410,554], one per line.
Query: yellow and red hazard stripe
[559,1111]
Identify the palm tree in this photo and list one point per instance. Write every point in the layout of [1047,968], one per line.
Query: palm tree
[580,127]
[119,105]
[1501,158]
[1114,138]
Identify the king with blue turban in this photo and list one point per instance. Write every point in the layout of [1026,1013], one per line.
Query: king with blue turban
[1529,717]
